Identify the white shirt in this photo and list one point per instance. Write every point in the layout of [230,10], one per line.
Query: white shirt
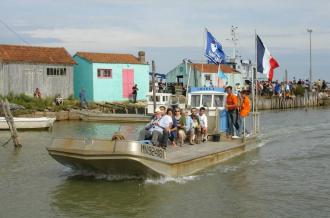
[203,120]
[165,121]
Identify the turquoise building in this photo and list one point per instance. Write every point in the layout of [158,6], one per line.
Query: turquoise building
[110,77]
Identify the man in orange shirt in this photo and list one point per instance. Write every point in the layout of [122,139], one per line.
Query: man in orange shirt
[245,108]
[232,112]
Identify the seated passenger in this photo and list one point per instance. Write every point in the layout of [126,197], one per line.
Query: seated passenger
[151,129]
[174,129]
[197,126]
[166,122]
[186,128]
[203,119]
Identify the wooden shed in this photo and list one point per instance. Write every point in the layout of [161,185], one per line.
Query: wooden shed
[25,68]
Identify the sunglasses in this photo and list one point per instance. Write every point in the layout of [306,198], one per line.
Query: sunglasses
[177,111]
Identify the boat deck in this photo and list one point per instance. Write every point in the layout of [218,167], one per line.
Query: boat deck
[189,152]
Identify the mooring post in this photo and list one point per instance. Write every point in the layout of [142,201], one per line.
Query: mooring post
[10,121]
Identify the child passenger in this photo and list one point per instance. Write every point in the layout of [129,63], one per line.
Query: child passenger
[186,128]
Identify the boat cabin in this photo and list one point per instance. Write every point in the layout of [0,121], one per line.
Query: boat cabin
[213,99]
[164,99]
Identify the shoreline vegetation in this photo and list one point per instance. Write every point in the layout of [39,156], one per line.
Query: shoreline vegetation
[27,105]
[46,106]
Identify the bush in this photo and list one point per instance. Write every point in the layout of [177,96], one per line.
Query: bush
[299,90]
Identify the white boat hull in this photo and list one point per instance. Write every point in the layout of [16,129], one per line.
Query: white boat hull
[28,123]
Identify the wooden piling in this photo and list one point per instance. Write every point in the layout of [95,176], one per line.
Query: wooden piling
[10,121]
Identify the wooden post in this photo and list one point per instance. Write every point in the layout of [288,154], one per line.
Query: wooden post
[10,121]
[153,68]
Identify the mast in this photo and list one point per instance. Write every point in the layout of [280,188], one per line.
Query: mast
[253,83]
[256,85]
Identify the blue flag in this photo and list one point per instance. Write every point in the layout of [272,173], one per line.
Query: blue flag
[222,75]
[213,50]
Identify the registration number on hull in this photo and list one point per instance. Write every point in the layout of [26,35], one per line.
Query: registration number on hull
[152,150]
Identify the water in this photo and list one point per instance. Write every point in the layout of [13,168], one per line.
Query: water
[287,176]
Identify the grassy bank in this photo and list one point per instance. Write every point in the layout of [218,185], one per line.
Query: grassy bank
[32,104]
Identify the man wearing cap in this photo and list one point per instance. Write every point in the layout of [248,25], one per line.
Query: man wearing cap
[157,130]
[146,133]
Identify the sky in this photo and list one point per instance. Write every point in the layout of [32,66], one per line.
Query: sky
[170,31]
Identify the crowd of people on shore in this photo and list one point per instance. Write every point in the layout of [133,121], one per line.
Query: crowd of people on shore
[175,126]
[290,88]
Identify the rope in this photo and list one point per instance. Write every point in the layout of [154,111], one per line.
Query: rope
[118,136]
[4,144]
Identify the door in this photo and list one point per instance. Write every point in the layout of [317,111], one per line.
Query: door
[128,82]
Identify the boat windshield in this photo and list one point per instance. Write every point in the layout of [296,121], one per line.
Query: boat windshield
[218,101]
[164,98]
[207,100]
[152,99]
[195,100]
[174,100]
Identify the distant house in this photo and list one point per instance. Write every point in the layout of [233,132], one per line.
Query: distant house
[201,75]
[25,68]
[110,77]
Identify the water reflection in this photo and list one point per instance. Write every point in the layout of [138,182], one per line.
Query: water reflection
[87,197]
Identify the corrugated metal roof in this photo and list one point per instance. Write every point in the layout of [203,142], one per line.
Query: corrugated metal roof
[109,58]
[34,54]
[213,68]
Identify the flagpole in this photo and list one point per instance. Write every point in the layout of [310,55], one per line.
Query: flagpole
[257,86]
[204,42]
[253,84]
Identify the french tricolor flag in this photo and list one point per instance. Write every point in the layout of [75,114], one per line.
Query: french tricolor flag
[265,61]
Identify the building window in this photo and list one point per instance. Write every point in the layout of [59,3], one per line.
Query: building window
[104,73]
[56,71]
[207,77]
[179,79]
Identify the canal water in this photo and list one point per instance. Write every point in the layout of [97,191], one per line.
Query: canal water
[287,175]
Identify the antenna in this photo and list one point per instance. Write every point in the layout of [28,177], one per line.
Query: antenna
[13,31]
[234,40]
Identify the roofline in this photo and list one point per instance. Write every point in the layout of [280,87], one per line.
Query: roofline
[24,62]
[76,54]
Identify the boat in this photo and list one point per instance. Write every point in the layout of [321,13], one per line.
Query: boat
[120,118]
[29,123]
[140,159]
[120,157]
